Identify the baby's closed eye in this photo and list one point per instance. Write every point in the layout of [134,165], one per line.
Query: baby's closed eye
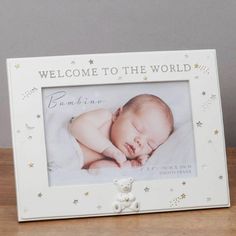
[152,144]
[138,127]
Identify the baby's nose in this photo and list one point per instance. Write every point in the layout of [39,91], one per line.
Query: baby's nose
[139,141]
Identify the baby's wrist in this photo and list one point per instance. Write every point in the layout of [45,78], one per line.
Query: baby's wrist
[106,150]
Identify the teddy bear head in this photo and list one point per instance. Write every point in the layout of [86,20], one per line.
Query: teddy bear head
[124,185]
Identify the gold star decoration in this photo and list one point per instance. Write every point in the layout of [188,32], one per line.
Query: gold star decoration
[90,61]
[199,124]
[147,189]
[183,183]
[145,78]
[38,116]
[204,166]
[196,65]
[208,199]
[75,202]
[31,164]
[86,194]
[216,132]
[220,177]
[213,96]
[203,93]
[183,196]
[40,195]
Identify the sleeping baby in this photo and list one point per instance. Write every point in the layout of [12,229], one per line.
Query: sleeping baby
[126,138]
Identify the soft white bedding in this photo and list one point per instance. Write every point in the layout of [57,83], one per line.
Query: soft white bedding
[175,158]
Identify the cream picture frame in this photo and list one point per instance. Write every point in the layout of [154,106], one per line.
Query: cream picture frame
[37,199]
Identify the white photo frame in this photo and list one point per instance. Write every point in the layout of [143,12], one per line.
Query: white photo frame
[44,91]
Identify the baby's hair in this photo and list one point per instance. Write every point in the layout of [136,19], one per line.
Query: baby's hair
[137,102]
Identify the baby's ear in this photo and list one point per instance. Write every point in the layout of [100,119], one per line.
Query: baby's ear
[117,113]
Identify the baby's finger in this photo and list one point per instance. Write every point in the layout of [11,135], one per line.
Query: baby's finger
[135,163]
[120,158]
[143,159]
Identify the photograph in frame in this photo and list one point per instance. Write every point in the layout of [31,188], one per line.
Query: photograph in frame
[172,153]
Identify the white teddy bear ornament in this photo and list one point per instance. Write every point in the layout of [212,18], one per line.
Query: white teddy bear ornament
[125,199]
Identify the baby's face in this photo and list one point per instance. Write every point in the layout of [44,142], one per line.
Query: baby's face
[140,133]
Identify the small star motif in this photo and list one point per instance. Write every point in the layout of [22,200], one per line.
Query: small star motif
[72,62]
[199,124]
[75,202]
[40,195]
[183,183]
[120,78]
[145,78]
[31,164]
[18,131]
[204,166]
[147,189]
[209,141]
[183,196]
[196,66]
[213,96]
[86,194]
[90,61]
[186,55]
[99,207]
[220,177]
[208,199]
[216,132]
[203,93]
[171,189]
[30,137]
[17,66]
[38,116]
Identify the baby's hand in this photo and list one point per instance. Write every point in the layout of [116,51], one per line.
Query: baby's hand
[135,163]
[127,164]
[115,154]
[142,159]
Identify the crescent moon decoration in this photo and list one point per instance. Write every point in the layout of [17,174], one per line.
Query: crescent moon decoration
[28,126]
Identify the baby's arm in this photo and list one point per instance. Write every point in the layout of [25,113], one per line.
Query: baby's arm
[107,164]
[137,162]
[85,128]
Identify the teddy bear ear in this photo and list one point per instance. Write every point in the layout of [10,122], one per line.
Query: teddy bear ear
[131,180]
